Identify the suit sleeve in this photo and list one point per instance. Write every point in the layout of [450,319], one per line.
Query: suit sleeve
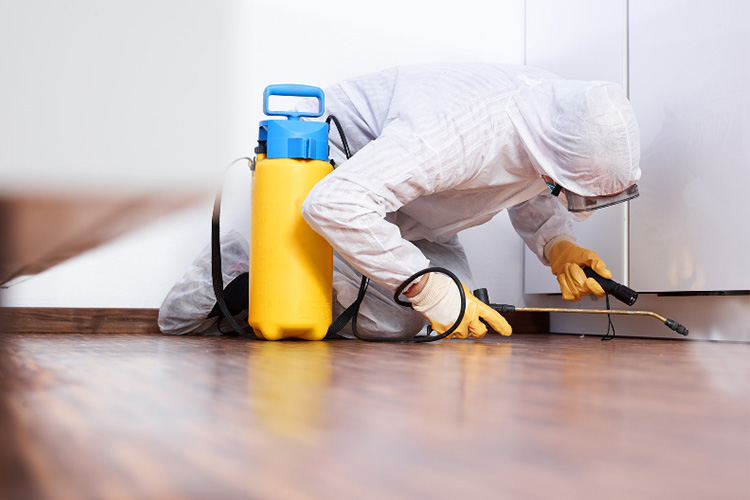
[349,206]
[542,222]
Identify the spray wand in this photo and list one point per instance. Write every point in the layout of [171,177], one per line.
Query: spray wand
[617,290]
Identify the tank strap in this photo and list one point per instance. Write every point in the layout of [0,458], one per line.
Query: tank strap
[216,274]
[350,312]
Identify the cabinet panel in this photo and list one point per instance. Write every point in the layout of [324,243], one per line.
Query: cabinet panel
[690,86]
[581,40]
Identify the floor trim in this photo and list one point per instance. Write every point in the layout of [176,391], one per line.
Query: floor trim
[111,320]
[77,320]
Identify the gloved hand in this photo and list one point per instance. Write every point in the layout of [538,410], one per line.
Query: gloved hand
[566,259]
[440,302]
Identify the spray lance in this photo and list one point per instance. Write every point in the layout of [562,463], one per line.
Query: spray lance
[617,290]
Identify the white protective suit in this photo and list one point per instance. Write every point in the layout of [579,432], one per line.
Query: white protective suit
[442,148]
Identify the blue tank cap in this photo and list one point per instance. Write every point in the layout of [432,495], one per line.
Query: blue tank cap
[294,138]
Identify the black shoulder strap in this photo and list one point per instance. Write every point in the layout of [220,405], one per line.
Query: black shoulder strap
[349,313]
[216,274]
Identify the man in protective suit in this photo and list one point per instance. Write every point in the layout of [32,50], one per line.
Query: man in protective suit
[441,148]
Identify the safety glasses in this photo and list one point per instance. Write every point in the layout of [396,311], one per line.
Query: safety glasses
[577,203]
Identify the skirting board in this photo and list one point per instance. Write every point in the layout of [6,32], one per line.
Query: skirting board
[105,320]
[77,320]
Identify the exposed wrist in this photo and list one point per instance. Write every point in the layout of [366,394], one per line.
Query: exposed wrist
[415,288]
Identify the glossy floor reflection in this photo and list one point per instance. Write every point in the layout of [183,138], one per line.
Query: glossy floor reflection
[531,416]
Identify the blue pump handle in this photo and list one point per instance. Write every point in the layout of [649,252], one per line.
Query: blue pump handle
[294,90]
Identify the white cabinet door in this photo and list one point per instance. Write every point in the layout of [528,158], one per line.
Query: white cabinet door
[581,40]
[690,86]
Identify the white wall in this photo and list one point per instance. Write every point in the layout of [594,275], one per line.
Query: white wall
[321,42]
[111,95]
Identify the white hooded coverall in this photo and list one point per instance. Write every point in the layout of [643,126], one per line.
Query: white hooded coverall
[441,148]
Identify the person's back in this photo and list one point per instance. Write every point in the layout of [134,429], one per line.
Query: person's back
[418,95]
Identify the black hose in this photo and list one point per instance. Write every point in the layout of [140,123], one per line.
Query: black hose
[345,145]
[216,274]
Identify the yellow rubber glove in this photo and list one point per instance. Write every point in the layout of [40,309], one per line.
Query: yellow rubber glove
[440,302]
[566,259]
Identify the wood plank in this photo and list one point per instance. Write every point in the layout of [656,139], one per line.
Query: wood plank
[529,416]
[77,320]
[111,320]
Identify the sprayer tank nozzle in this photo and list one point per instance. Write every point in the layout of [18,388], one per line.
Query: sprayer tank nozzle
[676,327]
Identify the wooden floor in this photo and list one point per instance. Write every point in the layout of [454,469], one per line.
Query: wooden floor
[531,417]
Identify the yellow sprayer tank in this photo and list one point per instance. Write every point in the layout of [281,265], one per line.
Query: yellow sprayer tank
[291,266]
